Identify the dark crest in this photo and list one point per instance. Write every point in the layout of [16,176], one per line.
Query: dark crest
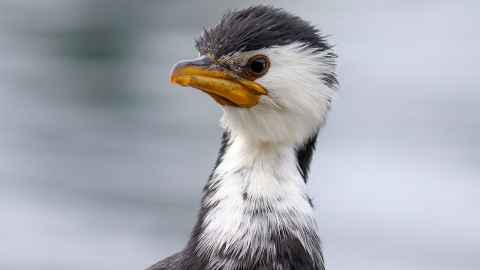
[255,28]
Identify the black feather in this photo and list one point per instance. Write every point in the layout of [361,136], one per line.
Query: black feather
[256,28]
[304,156]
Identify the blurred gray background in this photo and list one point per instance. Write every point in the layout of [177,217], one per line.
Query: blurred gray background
[102,161]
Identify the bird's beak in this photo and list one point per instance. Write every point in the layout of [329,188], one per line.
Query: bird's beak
[201,73]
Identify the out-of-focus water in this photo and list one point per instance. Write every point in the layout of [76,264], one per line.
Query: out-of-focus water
[102,161]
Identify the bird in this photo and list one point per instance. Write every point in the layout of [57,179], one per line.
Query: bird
[273,74]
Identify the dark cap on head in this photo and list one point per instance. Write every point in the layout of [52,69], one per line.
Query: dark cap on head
[255,28]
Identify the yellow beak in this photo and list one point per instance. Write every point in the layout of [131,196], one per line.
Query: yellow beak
[218,83]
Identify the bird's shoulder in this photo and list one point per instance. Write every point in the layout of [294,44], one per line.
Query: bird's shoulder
[178,261]
[173,262]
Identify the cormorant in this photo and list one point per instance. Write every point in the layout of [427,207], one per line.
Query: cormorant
[273,75]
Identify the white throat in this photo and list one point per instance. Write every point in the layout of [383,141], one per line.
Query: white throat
[258,192]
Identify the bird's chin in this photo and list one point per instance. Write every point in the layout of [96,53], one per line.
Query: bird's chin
[265,124]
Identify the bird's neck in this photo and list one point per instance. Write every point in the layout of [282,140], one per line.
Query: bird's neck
[255,211]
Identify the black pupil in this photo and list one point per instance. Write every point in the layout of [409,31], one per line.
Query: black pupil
[258,65]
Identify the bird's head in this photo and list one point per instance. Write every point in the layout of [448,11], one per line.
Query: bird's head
[272,73]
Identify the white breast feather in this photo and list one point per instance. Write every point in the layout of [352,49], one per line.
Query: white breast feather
[266,173]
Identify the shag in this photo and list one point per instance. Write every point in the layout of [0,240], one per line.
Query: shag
[273,75]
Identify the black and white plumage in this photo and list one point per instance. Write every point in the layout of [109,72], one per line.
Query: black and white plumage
[273,74]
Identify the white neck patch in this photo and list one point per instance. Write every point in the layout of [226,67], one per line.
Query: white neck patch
[257,189]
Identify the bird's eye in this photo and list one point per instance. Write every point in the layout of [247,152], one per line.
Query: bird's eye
[258,65]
